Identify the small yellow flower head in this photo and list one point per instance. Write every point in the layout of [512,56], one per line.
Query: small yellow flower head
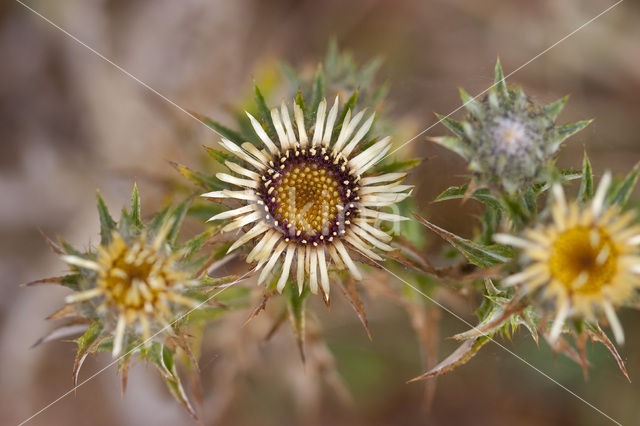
[135,284]
[586,260]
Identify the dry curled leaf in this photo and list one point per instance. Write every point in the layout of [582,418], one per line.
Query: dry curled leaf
[459,357]
[350,291]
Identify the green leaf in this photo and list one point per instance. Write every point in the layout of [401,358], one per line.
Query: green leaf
[473,106]
[207,182]
[291,75]
[317,93]
[398,166]
[349,105]
[162,358]
[459,357]
[204,210]
[458,192]
[300,103]
[178,216]
[192,246]
[554,108]
[158,220]
[620,192]
[296,305]
[87,339]
[71,281]
[135,207]
[500,85]
[107,224]
[453,125]
[452,144]
[224,131]
[87,343]
[483,256]
[568,130]
[265,112]
[586,184]
[220,156]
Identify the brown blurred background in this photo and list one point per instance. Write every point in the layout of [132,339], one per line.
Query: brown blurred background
[70,123]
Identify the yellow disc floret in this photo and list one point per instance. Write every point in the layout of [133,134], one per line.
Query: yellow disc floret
[308,198]
[583,259]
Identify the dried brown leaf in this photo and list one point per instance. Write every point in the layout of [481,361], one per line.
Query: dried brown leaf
[261,306]
[50,280]
[599,336]
[350,291]
[66,311]
[499,319]
[459,357]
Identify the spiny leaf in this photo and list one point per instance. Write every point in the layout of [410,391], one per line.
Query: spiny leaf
[317,93]
[87,339]
[162,358]
[458,192]
[265,113]
[480,255]
[158,220]
[296,305]
[568,130]
[300,103]
[586,184]
[232,135]
[261,306]
[107,224]
[349,105]
[135,207]
[451,124]
[68,310]
[554,109]
[497,317]
[456,145]
[473,106]
[621,191]
[50,280]
[207,182]
[178,216]
[350,291]
[192,246]
[219,156]
[500,85]
[62,332]
[204,211]
[86,345]
[596,334]
[459,357]
[398,166]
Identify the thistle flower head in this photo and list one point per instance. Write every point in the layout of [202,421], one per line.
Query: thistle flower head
[586,260]
[508,140]
[134,283]
[308,197]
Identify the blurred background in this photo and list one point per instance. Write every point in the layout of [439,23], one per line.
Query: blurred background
[71,122]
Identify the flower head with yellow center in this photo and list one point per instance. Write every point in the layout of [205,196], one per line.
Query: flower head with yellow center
[586,260]
[308,197]
[135,282]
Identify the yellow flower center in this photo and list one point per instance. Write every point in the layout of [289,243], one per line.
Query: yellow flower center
[132,276]
[308,198]
[583,259]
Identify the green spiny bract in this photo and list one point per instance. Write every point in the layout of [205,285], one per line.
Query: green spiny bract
[130,291]
[509,141]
